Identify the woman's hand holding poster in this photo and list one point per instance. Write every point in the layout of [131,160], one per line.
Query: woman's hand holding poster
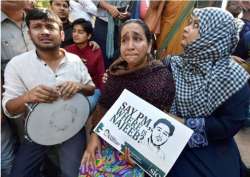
[155,139]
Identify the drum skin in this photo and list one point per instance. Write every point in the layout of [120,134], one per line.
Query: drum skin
[54,123]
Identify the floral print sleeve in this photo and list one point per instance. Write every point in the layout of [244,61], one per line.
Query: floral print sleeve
[198,139]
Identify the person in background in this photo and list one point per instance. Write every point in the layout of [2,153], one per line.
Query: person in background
[138,72]
[234,7]
[62,9]
[243,47]
[13,29]
[7,142]
[109,16]
[30,4]
[82,9]
[41,83]
[82,32]
[167,20]
[210,85]
[14,41]
[243,50]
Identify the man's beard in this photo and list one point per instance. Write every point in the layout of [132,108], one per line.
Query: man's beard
[47,48]
[64,19]
[156,145]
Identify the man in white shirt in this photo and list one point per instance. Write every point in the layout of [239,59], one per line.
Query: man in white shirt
[42,76]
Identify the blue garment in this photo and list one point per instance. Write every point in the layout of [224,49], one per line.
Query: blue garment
[100,37]
[198,138]
[243,47]
[243,50]
[30,156]
[94,99]
[220,158]
[105,37]
[136,10]
[247,123]
[7,149]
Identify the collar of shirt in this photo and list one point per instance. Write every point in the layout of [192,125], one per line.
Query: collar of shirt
[5,17]
[63,61]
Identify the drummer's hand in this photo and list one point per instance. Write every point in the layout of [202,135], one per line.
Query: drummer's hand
[41,94]
[127,157]
[68,89]
[89,157]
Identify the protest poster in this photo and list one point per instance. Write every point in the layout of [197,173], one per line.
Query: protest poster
[154,138]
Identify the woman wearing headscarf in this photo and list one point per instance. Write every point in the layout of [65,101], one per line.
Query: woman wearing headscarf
[212,96]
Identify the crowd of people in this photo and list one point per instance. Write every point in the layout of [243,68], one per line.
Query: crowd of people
[190,62]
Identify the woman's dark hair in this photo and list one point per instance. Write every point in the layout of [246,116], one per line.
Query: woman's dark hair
[167,123]
[42,14]
[145,28]
[86,25]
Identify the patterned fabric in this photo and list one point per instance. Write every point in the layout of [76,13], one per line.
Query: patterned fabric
[151,83]
[205,75]
[111,164]
[198,138]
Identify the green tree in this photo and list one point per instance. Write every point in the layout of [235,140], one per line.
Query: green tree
[42,4]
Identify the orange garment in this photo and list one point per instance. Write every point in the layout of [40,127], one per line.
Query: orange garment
[153,16]
[170,14]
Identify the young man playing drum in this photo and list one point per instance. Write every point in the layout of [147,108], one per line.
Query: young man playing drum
[45,75]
